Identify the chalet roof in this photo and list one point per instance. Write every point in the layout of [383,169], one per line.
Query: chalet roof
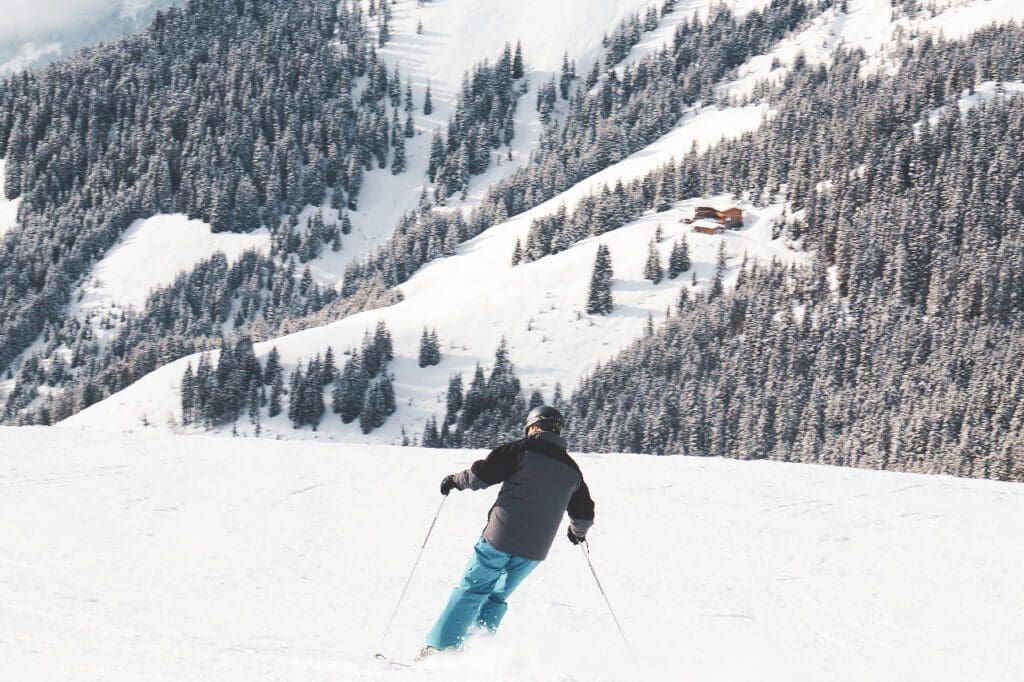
[707,222]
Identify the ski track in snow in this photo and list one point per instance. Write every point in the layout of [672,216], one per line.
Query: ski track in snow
[124,557]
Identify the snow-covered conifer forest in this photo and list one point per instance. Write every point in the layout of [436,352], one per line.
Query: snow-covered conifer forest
[231,176]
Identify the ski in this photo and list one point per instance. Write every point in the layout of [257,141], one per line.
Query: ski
[394,662]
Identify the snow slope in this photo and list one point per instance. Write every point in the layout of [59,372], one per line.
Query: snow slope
[877,28]
[162,558]
[457,35]
[979,94]
[152,252]
[476,297]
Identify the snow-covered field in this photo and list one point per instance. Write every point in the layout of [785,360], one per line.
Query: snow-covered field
[167,558]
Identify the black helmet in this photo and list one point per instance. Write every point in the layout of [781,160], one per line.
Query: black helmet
[545,417]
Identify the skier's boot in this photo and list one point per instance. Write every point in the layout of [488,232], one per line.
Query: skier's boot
[424,652]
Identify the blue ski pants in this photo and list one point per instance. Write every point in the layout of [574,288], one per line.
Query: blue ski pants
[490,578]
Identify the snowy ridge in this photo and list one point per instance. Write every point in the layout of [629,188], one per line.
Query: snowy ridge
[876,27]
[253,560]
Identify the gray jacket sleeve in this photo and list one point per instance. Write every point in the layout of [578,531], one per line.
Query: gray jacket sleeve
[495,468]
[581,510]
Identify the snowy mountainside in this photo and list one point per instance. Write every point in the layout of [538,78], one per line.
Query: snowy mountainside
[164,246]
[131,557]
[456,36]
[537,307]
[476,298]
[878,28]
[428,57]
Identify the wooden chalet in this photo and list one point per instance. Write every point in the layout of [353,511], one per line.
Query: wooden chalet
[709,220]
[707,226]
[731,217]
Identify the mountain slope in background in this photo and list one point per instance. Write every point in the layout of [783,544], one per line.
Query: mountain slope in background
[254,560]
[844,217]
[475,298]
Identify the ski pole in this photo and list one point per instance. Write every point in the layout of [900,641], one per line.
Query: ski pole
[413,571]
[585,548]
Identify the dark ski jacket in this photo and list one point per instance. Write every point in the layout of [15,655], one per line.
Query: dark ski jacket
[539,481]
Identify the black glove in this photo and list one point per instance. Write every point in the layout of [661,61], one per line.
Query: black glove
[573,538]
[447,484]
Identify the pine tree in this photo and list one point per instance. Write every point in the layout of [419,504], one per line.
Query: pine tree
[328,370]
[424,349]
[430,436]
[717,288]
[453,400]
[517,253]
[599,298]
[387,395]
[556,397]
[310,398]
[254,403]
[430,348]
[436,160]
[350,390]
[652,267]
[517,62]
[295,396]
[370,416]
[398,161]
[679,259]
[276,390]
[566,78]
[188,389]
[428,102]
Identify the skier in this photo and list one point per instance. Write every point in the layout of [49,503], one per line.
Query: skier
[539,481]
